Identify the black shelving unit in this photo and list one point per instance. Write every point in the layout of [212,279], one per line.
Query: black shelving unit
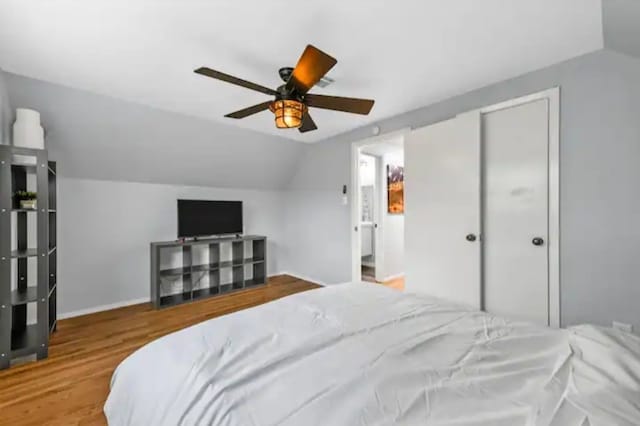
[228,264]
[20,293]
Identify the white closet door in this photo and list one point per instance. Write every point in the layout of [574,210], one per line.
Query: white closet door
[515,212]
[442,210]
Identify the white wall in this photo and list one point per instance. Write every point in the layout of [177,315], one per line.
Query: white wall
[393,224]
[367,170]
[105,228]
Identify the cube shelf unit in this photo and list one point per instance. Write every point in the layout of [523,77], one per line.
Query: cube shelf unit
[28,305]
[224,265]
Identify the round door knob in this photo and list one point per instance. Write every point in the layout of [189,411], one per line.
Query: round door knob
[537,241]
[471,237]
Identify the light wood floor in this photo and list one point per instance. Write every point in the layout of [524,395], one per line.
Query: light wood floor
[71,386]
[396,283]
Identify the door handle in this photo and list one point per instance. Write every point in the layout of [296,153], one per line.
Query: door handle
[537,241]
[355,228]
[471,237]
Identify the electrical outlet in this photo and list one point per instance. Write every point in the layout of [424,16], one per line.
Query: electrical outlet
[627,328]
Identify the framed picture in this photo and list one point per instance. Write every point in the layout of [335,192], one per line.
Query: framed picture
[395,189]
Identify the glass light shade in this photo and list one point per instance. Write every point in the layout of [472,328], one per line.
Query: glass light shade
[288,113]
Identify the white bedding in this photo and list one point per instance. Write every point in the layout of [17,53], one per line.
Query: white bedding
[361,354]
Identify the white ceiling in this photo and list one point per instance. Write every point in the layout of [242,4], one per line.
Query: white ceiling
[404,54]
[621,28]
[384,147]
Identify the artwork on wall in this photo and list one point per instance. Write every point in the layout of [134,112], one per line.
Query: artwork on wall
[395,189]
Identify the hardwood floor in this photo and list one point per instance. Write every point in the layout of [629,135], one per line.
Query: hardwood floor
[368,275]
[71,386]
[396,283]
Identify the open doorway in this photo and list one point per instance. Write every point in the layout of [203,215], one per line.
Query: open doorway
[378,219]
[369,201]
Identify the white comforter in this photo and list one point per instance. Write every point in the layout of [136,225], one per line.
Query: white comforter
[361,354]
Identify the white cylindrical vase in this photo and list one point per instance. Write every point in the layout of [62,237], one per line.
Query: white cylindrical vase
[27,133]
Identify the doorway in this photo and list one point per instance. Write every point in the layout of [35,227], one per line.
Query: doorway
[369,200]
[378,211]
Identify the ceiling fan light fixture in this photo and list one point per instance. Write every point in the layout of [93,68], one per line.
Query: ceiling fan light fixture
[292,99]
[288,113]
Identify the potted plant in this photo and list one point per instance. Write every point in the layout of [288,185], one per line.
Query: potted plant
[27,199]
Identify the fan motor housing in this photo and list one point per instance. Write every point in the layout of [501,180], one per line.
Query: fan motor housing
[283,91]
[285,73]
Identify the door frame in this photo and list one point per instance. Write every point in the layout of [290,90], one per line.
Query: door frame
[375,219]
[356,249]
[553,99]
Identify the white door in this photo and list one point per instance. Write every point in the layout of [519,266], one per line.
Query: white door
[442,210]
[515,211]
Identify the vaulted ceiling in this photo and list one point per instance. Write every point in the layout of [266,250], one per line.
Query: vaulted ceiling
[404,54]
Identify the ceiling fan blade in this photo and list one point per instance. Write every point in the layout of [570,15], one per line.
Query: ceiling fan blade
[234,80]
[311,67]
[249,111]
[338,103]
[307,124]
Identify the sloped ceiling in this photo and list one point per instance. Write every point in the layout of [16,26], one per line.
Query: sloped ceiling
[405,54]
[100,137]
[621,19]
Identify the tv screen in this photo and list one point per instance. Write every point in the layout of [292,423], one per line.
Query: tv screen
[199,218]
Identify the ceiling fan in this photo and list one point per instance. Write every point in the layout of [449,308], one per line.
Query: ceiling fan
[292,100]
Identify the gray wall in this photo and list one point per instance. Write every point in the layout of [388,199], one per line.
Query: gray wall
[5,112]
[317,225]
[105,228]
[600,206]
[99,137]
[109,150]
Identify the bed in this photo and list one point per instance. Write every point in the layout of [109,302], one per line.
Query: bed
[362,354]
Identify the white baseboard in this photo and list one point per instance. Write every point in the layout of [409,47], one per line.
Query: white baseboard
[122,304]
[101,308]
[305,278]
[311,280]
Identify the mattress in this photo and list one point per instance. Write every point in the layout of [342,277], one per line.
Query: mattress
[362,354]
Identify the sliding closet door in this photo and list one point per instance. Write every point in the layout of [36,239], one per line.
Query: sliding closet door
[442,210]
[515,212]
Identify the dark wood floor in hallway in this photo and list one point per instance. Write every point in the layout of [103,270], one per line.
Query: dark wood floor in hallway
[71,386]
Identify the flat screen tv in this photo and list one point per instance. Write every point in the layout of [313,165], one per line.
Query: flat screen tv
[197,218]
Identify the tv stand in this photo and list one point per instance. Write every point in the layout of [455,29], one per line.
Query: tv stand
[209,237]
[207,267]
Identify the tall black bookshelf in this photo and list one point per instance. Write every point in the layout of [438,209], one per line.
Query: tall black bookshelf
[28,243]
